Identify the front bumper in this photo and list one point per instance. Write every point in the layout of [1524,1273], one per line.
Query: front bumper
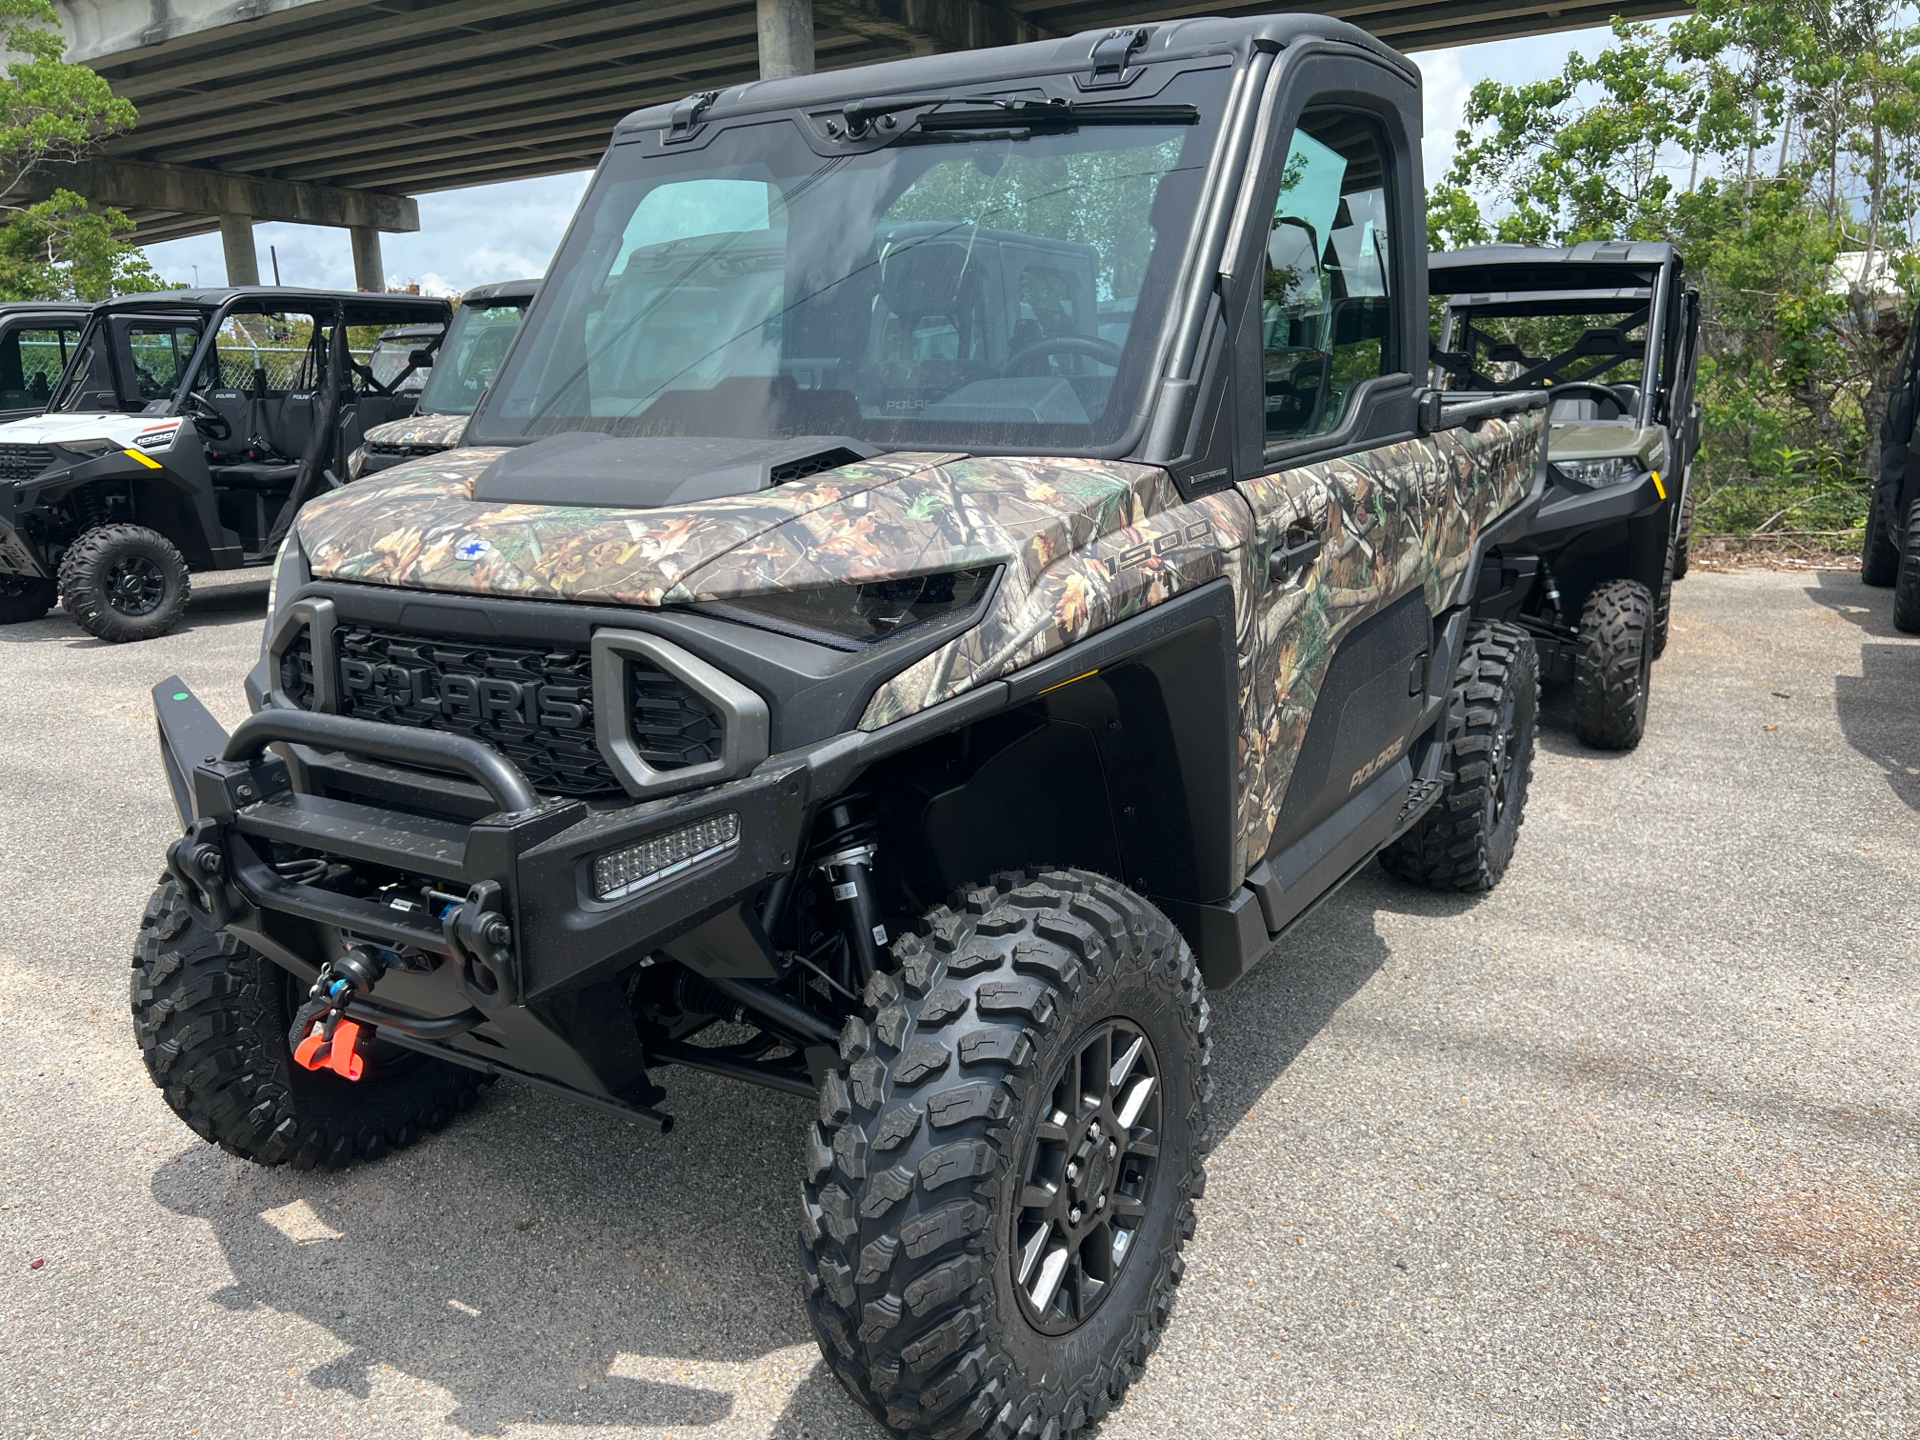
[18,555]
[541,999]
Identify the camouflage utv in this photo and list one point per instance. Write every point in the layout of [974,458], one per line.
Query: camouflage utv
[896,635]
[457,374]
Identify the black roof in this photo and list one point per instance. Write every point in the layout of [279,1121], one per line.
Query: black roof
[1506,270]
[500,290]
[1170,40]
[363,307]
[46,307]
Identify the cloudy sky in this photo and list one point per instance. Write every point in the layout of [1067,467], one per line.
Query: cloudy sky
[502,232]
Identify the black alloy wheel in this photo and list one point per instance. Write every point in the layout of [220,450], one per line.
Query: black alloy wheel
[136,586]
[1087,1177]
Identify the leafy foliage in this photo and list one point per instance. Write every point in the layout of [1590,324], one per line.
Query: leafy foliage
[51,114]
[1766,141]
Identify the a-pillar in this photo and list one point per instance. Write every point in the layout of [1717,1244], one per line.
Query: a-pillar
[368,272]
[236,239]
[786,37]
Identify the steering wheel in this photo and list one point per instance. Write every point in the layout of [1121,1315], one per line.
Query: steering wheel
[1591,390]
[1105,351]
[207,420]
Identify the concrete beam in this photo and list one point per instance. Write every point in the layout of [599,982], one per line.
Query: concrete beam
[127,184]
[785,29]
[369,273]
[242,255]
[933,25]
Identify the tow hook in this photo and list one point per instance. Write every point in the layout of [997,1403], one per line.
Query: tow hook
[199,864]
[480,934]
[321,1035]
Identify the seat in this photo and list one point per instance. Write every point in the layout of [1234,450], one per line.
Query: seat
[256,475]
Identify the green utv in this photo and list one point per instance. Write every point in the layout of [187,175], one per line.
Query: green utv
[955,564]
[1611,329]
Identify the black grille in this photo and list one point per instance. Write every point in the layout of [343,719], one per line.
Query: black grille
[23,462]
[533,704]
[378,447]
[672,726]
[812,465]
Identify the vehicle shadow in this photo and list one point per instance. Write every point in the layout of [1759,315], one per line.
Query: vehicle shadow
[214,605]
[655,1281]
[1876,708]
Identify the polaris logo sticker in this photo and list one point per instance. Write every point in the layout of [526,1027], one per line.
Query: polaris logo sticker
[471,550]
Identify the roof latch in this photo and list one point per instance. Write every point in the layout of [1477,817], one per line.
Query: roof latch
[1111,52]
[686,115]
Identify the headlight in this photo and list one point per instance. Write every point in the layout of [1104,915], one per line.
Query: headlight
[273,580]
[1616,470]
[92,449]
[157,440]
[850,616]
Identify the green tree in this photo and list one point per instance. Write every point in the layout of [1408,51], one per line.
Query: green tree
[1767,141]
[52,114]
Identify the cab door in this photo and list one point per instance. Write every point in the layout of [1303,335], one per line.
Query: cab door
[1342,624]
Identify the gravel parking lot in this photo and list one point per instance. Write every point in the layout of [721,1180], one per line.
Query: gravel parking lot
[1626,1148]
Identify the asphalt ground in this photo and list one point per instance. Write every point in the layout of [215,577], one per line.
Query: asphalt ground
[1626,1148]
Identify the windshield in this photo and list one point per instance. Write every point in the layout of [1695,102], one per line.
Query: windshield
[954,289]
[153,353]
[470,357]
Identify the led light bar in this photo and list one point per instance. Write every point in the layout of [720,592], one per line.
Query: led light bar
[622,872]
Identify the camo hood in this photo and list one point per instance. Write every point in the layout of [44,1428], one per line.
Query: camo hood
[418,526]
[442,432]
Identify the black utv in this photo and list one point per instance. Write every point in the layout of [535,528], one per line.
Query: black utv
[185,432]
[37,338]
[1890,552]
[1610,331]
[896,636]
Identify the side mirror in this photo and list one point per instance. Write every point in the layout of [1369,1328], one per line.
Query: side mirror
[421,359]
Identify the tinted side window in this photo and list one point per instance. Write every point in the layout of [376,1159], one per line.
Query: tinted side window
[160,351]
[30,365]
[1328,308]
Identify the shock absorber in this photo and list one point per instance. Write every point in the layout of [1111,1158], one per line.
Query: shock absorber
[1552,590]
[844,855]
[88,508]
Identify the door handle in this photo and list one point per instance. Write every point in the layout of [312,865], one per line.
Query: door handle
[1299,550]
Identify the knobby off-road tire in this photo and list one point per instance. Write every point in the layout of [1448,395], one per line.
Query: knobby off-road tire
[1466,838]
[211,1016]
[124,582]
[1879,554]
[1683,541]
[1612,665]
[1906,584]
[1663,606]
[967,1090]
[24,597]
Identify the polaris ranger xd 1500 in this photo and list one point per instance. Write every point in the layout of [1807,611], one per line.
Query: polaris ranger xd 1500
[956,564]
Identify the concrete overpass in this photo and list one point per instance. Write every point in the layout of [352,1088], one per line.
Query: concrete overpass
[335,112]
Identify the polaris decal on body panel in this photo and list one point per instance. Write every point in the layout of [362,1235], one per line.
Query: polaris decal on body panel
[1391,520]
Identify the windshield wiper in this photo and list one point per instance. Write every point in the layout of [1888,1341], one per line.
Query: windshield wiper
[992,113]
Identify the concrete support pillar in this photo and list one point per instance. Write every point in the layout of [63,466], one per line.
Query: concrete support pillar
[786,37]
[368,271]
[236,239]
